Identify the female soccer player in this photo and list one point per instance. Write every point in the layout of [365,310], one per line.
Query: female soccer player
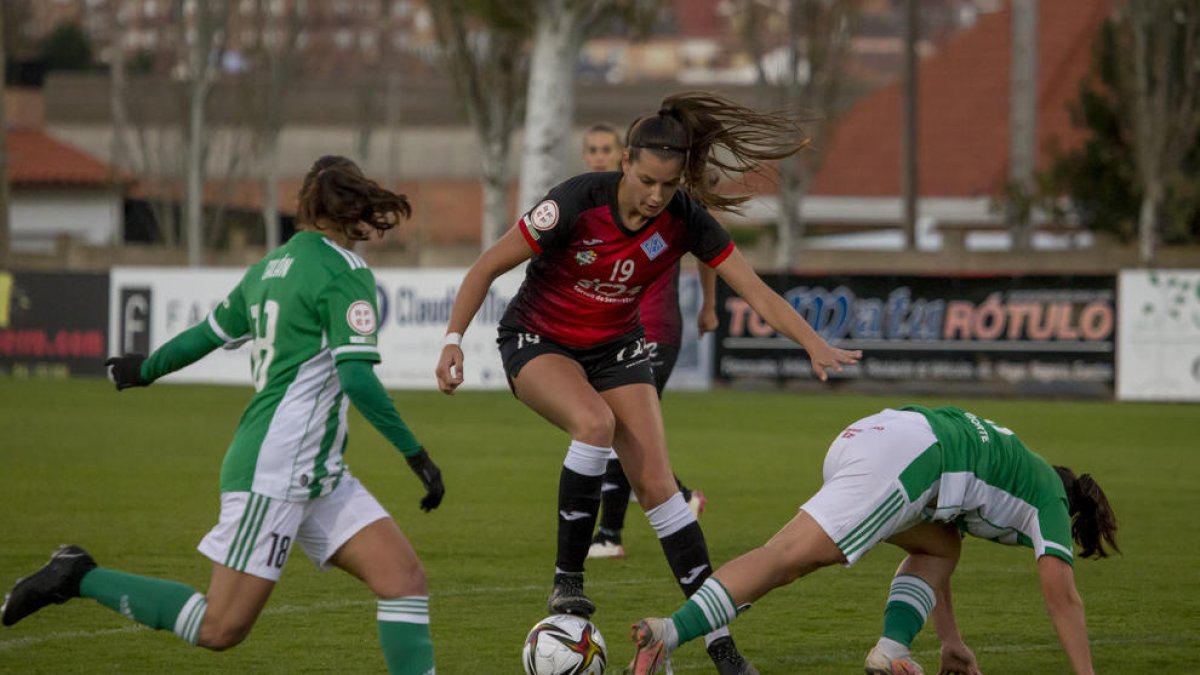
[570,340]
[918,478]
[663,323]
[308,310]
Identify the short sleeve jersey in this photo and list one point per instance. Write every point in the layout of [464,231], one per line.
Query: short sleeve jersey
[994,487]
[588,273]
[304,308]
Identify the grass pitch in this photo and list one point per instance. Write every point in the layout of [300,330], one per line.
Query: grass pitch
[133,478]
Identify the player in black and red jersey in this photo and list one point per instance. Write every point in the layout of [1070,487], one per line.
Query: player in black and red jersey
[663,322]
[571,342]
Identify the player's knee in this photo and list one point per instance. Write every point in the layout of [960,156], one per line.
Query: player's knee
[219,634]
[596,427]
[406,578]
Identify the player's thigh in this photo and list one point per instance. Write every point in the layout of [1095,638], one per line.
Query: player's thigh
[235,599]
[555,387]
[249,546]
[640,441]
[383,558]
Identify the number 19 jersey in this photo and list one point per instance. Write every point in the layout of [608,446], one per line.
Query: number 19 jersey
[304,308]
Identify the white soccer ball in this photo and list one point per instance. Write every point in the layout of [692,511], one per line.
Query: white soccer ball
[562,644]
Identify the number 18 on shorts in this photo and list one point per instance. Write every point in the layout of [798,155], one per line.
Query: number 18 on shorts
[256,533]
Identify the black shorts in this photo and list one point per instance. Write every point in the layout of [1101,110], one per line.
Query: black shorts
[663,356]
[625,360]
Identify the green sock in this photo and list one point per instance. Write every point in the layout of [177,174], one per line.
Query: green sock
[909,602]
[404,635]
[157,603]
[709,608]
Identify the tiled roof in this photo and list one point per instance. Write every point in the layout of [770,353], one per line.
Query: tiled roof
[963,137]
[36,158]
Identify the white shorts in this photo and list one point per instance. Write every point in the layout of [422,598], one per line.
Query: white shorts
[863,501]
[255,533]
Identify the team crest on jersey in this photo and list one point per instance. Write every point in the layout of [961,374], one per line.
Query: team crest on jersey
[361,317]
[585,257]
[654,246]
[544,216]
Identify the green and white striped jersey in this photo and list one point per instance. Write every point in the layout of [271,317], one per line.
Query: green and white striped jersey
[990,484]
[305,307]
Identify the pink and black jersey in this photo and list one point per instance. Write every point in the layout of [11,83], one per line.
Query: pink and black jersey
[661,316]
[589,272]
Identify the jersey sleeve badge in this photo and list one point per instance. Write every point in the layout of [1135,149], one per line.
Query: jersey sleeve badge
[361,317]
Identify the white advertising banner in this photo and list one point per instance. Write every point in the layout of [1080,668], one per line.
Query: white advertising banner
[1158,335]
[151,305]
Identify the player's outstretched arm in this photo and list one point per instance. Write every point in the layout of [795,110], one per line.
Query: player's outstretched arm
[136,370]
[779,314]
[366,392]
[510,251]
[1066,611]
[707,321]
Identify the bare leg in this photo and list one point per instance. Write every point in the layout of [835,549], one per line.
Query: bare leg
[800,548]
[382,557]
[235,599]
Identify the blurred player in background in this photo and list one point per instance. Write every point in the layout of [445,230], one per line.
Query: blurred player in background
[571,342]
[663,322]
[308,310]
[918,478]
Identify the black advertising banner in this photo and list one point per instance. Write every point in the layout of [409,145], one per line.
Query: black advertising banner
[53,324]
[971,334]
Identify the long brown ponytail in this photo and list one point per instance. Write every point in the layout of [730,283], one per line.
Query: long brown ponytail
[1093,522]
[710,131]
[336,189]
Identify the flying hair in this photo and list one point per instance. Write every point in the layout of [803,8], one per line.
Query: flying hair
[336,190]
[713,133]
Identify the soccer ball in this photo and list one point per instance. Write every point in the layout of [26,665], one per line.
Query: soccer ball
[562,644]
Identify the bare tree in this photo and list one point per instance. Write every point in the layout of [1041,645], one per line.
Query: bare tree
[277,64]
[204,38]
[483,48]
[1162,80]
[806,71]
[559,29]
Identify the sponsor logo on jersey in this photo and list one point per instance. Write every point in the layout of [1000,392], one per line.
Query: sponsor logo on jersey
[585,257]
[592,242]
[544,216]
[654,246]
[361,317]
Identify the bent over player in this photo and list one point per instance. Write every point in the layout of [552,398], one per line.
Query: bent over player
[570,340]
[918,478]
[308,311]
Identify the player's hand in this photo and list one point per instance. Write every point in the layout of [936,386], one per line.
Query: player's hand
[825,358]
[706,321]
[450,369]
[431,478]
[126,371]
[957,659]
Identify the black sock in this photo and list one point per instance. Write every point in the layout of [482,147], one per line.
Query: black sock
[687,554]
[578,503]
[615,502]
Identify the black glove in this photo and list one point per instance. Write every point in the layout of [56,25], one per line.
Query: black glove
[431,478]
[127,371]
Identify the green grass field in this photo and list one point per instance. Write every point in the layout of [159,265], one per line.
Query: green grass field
[133,477]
